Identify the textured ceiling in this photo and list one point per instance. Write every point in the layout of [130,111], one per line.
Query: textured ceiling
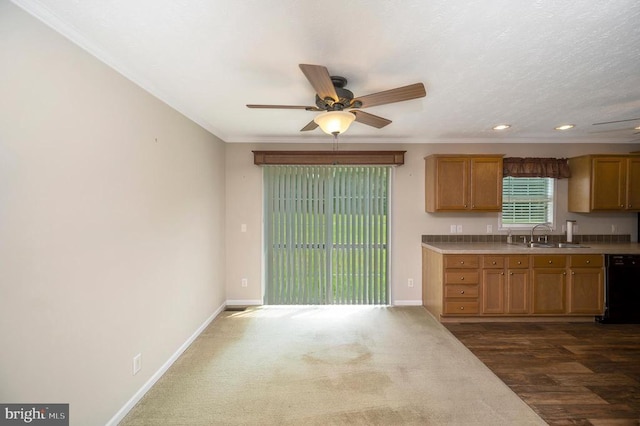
[532,64]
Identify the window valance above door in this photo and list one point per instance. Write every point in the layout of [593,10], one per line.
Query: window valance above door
[317,158]
[536,167]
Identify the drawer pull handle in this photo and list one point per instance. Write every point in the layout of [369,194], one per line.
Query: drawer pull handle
[519,262]
[461,291]
[550,262]
[588,262]
[462,262]
[462,308]
[493,263]
[461,278]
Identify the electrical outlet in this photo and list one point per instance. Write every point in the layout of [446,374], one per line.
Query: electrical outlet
[489,229]
[453,229]
[137,364]
[459,229]
[244,282]
[410,282]
[614,229]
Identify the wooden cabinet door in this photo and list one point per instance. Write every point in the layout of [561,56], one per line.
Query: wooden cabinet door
[633,183]
[548,291]
[486,184]
[608,191]
[452,185]
[586,291]
[518,291]
[493,286]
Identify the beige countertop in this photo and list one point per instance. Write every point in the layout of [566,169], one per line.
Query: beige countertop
[503,248]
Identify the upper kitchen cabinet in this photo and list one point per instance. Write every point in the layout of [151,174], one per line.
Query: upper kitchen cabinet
[604,183]
[456,183]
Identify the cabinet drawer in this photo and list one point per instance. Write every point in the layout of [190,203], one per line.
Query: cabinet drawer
[455,307]
[461,277]
[516,262]
[549,261]
[493,262]
[586,261]
[461,261]
[457,290]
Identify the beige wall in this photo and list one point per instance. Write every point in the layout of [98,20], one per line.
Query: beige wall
[409,220]
[111,226]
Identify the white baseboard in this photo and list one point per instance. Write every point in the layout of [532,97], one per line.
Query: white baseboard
[154,378]
[248,302]
[407,303]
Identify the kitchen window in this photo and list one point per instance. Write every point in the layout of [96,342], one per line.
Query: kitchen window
[527,201]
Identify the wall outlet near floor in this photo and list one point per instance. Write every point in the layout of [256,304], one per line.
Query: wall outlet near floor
[459,229]
[410,282]
[489,229]
[244,282]
[452,229]
[137,364]
[614,229]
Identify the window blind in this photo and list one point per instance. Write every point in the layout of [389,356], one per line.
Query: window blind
[326,233]
[527,201]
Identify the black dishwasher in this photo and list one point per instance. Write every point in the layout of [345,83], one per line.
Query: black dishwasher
[622,289]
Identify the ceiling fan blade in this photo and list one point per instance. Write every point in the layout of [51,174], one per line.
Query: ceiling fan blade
[616,121]
[370,119]
[308,108]
[624,129]
[311,126]
[320,79]
[399,94]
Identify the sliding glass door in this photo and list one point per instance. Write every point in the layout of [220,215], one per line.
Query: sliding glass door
[326,234]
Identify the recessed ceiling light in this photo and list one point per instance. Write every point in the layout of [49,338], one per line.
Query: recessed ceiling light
[501,127]
[565,127]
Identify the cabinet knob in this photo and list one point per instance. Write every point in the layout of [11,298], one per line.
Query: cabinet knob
[564,273]
[462,262]
[493,263]
[588,261]
[501,273]
[462,308]
[519,262]
[510,273]
[550,262]
[573,273]
[622,206]
[461,278]
[461,291]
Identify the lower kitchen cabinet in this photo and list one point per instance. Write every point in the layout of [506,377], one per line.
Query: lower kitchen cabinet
[585,285]
[505,285]
[497,285]
[549,282]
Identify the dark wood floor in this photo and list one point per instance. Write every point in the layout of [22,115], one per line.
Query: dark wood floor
[570,374]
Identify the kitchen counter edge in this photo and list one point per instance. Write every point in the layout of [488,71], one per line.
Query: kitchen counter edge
[503,248]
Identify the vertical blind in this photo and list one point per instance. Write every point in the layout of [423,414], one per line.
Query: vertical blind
[326,233]
[527,200]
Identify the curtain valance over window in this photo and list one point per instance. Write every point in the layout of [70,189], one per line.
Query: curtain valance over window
[536,167]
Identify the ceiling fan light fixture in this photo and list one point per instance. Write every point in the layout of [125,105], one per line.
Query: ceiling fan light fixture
[565,127]
[334,122]
[501,127]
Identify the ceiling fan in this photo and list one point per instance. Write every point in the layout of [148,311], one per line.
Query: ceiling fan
[620,129]
[334,99]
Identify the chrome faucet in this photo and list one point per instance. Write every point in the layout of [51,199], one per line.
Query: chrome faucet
[546,236]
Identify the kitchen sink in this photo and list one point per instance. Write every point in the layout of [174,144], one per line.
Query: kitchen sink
[540,244]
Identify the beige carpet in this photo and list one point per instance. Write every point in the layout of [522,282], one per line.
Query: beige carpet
[329,366]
